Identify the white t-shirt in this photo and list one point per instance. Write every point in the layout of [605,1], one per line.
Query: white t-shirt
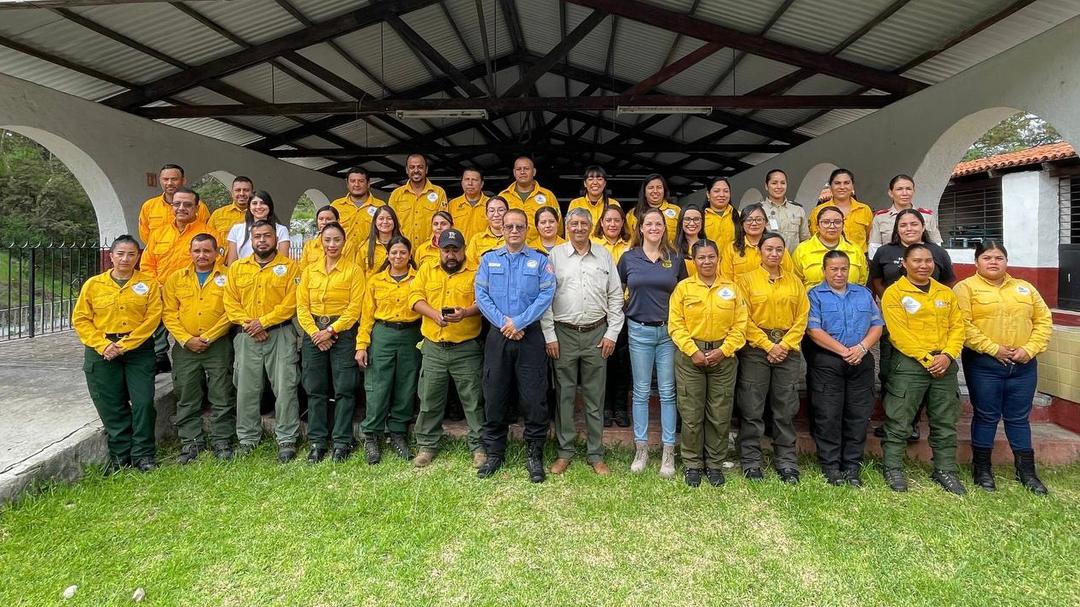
[243,249]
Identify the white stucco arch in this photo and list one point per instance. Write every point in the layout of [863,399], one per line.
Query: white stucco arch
[812,183]
[750,196]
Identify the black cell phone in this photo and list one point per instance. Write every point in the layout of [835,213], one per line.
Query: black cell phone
[448,311]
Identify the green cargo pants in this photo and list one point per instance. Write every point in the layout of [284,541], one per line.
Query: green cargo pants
[390,379]
[580,362]
[762,384]
[214,366]
[277,356]
[907,385]
[706,396]
[464,363]
[123,393]
[338,363]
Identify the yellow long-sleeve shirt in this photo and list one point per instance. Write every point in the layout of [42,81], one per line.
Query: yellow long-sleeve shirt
[357,219]
[266,293]
[169,250]
[774,304]
[385,299]
[596,209]
[531,203]
[715,313]
[155,214]
[104,307]
[719,227]
[339,292]
[671,220]
[809,254]
[425,253]
[857,223]
[616,249]
[539,246]
[222,220]
[441,290]
[194,310]
[480,244]
[920,323]
[414,211]
[313,252]
[1013,315]
[733,265]
[469,219]
[378,257]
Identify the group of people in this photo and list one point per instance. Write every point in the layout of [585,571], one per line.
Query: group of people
[492,300]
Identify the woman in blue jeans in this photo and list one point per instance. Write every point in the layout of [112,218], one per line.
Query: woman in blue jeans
[1007,324]
[649,271]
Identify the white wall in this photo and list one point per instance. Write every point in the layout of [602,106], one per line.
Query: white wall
[1030,218]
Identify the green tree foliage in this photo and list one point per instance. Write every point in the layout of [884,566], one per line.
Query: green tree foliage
[214,193]
[40,200]
[1017,132]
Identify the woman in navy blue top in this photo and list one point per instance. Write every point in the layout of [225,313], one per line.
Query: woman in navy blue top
[649,271]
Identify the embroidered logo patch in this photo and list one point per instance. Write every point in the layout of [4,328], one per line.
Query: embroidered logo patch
[670,213]
[1023,290]
[279,270]
[432,197]
[541,198]
[371,211]
[140,288]
[911,304]
[725,293]
[220,280]
[532,263]
[940,304]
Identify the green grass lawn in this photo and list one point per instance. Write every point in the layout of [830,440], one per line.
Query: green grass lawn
[253,532]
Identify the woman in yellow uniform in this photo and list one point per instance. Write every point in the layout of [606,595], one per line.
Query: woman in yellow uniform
[926,329]
[328,303]
[707,322]
[769,365]
[612,234]
[491,238]
[742,255]
[429,250]
[857,216]
[654,195]
[372,251]
[721,218]
[829,236]
[691,230]
[546,221]
[386,348]
[313,249]
[595,199]
[114,317]
[1007,324]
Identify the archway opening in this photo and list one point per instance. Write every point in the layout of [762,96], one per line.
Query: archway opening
[214,189]
[302,221]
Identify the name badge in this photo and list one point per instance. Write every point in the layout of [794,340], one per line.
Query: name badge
[1023,290]
[774,223]
[279,270]
[140,288]
[494,264]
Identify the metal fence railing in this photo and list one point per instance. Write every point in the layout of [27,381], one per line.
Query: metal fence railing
[40,283]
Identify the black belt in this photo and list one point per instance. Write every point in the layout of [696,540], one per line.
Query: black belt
[401,326]
[650,323]
[324,321]
[582,328]
[115,337]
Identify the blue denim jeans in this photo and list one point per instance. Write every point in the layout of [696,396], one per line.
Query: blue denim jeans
[649,347]
[999,392]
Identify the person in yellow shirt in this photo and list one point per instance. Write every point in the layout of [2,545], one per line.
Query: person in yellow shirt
[829,237]
[427,251]
[611,233]
[470,209]
[157,212]
[372,250]
[114,316]
[417,200]
[721,217]
[169,248]
[222,220]
[194,312]
[654,195]
[357,207]
[858,217]
[386,348]
[926,329]
[707,321]
[691,230]
[546,221]
[596,198]
[769,365]
[313,248]
[528,195]
[743,255]
[1006,325]
[328,304]
[260,298]
[443,294]
[491,238]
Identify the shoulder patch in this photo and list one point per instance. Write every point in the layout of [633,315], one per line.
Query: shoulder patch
[881,211]
[925,211]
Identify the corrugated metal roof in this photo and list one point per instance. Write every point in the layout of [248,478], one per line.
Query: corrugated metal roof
[272,85]
[819,25]
[156,25]
[212,128]
[749,17]
[53,76]
[433,27]
[696,79]
[322,10]
[639,50]
[464,14]
[255,21]
[361,133]
[384,54]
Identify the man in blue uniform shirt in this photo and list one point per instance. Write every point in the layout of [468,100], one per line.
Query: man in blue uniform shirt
[514,287]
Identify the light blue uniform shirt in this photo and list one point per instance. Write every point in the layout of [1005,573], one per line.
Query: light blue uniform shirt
[847,317]
[516,285]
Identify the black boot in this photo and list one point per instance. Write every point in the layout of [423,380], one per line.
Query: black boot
[535,462]
[372,451]
[981,472]
[1025,472]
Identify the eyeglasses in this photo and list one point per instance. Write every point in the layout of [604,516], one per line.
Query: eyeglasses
[514,227]
[831,222]
[754,220]
[691,220]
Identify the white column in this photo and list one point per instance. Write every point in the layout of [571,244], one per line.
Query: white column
[1029,202]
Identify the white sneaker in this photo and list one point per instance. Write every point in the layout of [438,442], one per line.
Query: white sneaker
[641,458]
[667,462]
